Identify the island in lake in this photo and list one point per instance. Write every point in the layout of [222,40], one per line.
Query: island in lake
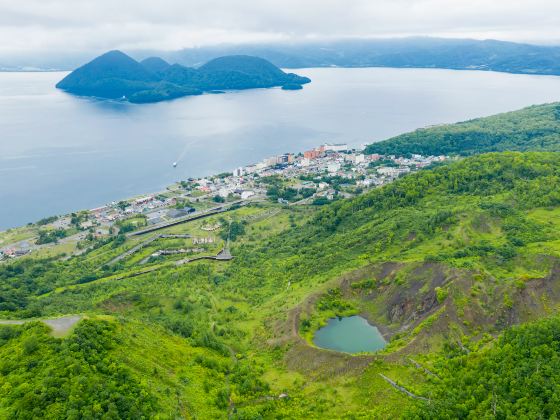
[115,75]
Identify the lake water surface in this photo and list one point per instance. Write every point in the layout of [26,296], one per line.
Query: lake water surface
[351,334]
[60,153]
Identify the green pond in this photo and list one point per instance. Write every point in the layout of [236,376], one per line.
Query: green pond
[351,334]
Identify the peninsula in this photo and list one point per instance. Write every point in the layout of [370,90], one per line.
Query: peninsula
[115,75]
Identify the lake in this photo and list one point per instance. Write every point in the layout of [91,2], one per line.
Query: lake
[351,334]
[60,153]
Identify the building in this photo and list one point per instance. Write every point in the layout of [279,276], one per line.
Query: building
[392,172]
[333,167]
[359,159]
[174,213]
[312,154]
[335,147]
[99,210]
[247,194]
[143,200]
[225,192]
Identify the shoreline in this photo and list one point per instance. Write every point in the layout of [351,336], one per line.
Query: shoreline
[315,177]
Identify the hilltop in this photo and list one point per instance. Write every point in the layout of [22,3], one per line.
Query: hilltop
[535,128]
[115,75]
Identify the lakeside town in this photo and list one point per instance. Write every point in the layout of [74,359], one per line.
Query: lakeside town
[314,177]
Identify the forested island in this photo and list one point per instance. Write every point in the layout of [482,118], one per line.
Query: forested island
[115,75]
[458,264]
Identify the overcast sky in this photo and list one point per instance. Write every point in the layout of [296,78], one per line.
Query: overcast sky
[42,26]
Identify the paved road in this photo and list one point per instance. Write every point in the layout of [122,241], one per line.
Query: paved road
[195,216]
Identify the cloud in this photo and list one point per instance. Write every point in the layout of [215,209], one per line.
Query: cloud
[33,26]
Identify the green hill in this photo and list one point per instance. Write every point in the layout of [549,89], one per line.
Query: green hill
[419,52]
[445,262]
[111,75]
[534,128]
[115,75]
[155,64]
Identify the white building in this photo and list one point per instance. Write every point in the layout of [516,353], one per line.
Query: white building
[356,159]
[246,194]
[392,172]
[224,192]
[250,169]
[336,147]
[333,167]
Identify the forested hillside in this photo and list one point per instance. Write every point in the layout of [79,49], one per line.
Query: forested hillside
[530,129]
[443,261]
[115,75]
[420,52]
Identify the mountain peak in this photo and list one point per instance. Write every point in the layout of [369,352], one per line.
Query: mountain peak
[155,64]
[116,75]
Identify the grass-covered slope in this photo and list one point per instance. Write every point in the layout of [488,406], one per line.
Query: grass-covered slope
[106,369]
[443,261]
[536,128]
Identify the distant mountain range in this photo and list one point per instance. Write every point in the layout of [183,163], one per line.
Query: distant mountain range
[461,54]
[115,75]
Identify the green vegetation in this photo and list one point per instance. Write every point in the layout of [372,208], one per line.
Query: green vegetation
[516,376]
[48,236]
[457,265]
[536,128]
[74,378]
[47,220]
[118,76]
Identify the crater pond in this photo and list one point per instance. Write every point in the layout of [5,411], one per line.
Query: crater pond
[61,153]
[351,334]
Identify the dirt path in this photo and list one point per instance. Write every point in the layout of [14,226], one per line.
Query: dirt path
[60,326]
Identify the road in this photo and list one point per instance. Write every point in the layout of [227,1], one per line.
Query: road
[195,216]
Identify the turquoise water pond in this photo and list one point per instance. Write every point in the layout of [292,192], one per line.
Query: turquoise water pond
[351,334]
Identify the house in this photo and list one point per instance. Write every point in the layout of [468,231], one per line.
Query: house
[175,213]
[87,224]
[143,200]
[392,172]
[247,194]
[335,147]
[312,154]
[333,167]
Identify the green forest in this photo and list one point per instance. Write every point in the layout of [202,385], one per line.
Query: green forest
[536,128]
[458,265]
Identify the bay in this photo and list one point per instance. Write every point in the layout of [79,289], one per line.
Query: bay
[60,153]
